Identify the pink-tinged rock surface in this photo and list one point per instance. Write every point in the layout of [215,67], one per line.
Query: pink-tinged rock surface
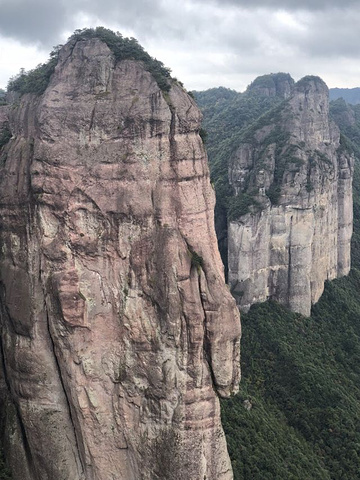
[116,337]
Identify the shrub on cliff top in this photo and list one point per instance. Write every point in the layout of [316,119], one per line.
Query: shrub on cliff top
[36,80]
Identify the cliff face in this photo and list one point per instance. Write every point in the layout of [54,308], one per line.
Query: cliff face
[117,327]
[298,230]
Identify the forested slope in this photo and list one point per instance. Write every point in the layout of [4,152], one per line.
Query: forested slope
[301,376]
[297,415]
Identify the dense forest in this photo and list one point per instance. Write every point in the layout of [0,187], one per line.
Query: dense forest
[297,415]
[301,380]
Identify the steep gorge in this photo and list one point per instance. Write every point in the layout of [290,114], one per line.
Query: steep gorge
[117,329]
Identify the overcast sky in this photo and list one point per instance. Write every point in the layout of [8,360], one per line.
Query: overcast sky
[206,43]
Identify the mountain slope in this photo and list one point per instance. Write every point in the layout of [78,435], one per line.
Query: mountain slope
[227,115]
[301,377]
[295,172]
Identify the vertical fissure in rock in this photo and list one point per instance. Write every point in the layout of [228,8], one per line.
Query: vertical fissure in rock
[92,121]
[207,343]
[172,140]
[68,403]
[289,279]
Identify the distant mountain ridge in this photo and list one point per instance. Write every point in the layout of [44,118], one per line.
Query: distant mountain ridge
[270,82]
[350,95]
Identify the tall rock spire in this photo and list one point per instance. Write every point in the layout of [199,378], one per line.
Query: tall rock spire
[117,327]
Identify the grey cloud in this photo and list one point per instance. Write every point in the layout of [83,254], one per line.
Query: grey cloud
[43,21]
[33,22]
[206,41]
[334,36]
[320,36]
[295,5]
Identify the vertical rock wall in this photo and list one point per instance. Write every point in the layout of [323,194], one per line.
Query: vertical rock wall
[117,329]
[298,233]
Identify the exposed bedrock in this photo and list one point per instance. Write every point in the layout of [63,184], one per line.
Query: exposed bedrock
[117,329]
[297,234]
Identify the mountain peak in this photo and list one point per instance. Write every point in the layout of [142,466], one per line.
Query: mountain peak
[272,85]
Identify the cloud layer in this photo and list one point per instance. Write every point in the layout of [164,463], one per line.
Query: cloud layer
[205,42]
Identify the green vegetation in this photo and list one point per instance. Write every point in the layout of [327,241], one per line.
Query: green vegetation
[36,80]
[348,118]
[350,95]
[2,97]
[271,82]
[241,205]
[287,155]
[227,116]
[127,48]
[5,135]
[301,378]
[256,120]
[323,158]
[303,82]
[197,260]
[203,134]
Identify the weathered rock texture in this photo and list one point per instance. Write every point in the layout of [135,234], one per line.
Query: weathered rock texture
[299,175]
[117,326]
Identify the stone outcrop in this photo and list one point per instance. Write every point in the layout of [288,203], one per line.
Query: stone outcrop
[296,172]
[272,85]
[117,328]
